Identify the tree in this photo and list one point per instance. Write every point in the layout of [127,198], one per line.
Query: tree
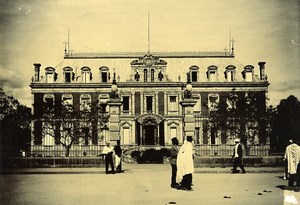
[286,123]
[242,115]
[69,126]
[15,121]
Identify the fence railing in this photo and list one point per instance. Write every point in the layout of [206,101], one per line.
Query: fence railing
[96,150]
[227,150]
[60,151]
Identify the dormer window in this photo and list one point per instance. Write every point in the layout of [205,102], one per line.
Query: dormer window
[104,74]
[69,75]
[248,73]
[230,73]
[86,74]
[50,74]
[194,73]
[212,72]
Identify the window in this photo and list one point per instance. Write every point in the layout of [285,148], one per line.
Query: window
[67,101]
[248,73]
[194,76]
[230,73]
[48,138]
[49,99]
[85,103]
[67,77]
[213,135]
[126,135]
[152,75]
[126,104]
[213,100]
[86,74]
[173,132]
[104,74]
[50,72]
[173,103]
[104,77]
[145,75]
[149,102]
[212,73]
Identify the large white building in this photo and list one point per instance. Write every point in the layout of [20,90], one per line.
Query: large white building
[150,86]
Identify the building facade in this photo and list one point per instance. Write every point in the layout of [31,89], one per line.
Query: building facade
[150,87]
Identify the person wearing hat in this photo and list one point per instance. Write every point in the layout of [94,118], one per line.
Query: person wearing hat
[185,165]
[238,157]
[173,159]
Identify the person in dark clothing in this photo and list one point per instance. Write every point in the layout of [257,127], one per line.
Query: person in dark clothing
[173,159]
[238,157]
[118,158]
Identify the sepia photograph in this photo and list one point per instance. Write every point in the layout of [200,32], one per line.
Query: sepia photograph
[149,102]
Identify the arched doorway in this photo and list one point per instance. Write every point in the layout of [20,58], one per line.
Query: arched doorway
[148,130]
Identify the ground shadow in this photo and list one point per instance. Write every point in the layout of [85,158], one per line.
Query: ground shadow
[290,188]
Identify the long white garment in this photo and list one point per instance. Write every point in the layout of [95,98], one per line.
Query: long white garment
[292,154]
[185,162]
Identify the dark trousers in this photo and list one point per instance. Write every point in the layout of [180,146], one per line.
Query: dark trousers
[119,167]
[173,177]
[293,178]
[109,161]
[187,181]
[238,162]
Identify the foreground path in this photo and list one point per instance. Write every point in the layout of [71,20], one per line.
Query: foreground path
[146,185]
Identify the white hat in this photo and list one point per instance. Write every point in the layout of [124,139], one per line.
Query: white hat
[237,140]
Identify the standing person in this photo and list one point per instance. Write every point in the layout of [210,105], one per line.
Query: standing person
[118,158]
[286,174]
[108,151]
[292,155]
[173,159]
[238,157]
[185,165]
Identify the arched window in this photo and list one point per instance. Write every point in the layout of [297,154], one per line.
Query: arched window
[86,74]
[230,73]
[145,75]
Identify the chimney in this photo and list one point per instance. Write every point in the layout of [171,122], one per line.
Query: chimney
[262,70]
[37,71]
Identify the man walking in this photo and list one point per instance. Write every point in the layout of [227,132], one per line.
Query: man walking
[238,157]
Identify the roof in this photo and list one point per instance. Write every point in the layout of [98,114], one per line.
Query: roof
[178,64]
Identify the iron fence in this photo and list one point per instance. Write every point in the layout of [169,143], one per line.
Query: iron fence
[60,151]
[227,150]
[96,150]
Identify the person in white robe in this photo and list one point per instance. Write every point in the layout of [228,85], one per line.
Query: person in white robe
[292,155]
[185,164]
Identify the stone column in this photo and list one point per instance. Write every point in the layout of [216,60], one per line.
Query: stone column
[114,120]
[188,117]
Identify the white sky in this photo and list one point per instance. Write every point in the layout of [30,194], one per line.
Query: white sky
[33,31]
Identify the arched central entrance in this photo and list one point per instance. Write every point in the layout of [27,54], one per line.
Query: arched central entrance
[150,130]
